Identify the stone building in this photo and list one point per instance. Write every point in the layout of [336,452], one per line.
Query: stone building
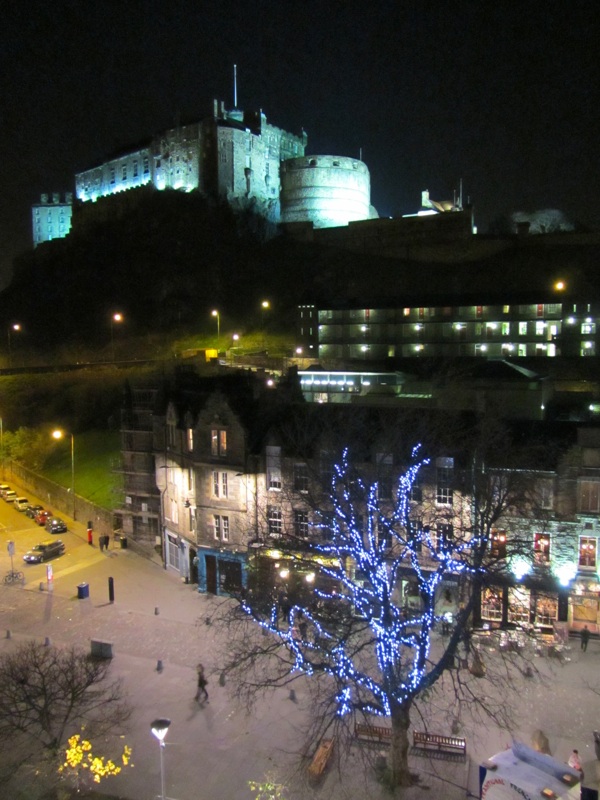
[232,154]
[51,217]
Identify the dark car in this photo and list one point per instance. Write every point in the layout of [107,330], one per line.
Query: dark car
[33,511]
[43,516]
[44,551]
[55,525]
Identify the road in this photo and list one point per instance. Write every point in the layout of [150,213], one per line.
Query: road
[211,752]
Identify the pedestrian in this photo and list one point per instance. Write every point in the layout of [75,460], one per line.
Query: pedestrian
[575,762]
[201,690]
[585,637]
[101,543]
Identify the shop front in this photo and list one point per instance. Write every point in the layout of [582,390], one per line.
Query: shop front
[221,572]
[522,606]
[584,604]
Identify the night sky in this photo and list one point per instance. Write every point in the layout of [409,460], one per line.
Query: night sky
[501,94]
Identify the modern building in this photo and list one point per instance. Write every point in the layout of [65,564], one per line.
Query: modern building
[517,330]
[51,217]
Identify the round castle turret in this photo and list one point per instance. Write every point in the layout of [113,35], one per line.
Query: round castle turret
[325,190]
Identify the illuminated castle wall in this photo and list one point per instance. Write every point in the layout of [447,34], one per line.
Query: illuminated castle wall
[232,154]
[328,191]
[51,218]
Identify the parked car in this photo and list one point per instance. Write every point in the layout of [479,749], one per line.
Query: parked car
[4,487]
[55,525]
[44,551]
[33,511]
[9,496]
[43,516]
[22,503]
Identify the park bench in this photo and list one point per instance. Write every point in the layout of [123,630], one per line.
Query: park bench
[320,759]
[372,732]
[442,744]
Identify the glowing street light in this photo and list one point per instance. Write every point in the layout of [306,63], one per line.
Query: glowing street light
[215,313]
[560,286]
[159,729]
[118,318]
[16,328]
[58,434]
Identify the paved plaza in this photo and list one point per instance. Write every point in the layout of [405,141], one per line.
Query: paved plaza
[212,751]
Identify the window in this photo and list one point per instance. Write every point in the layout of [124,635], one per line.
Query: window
[220,488]
[522,329]
[274,467]
[190,439]
[124,172]
[541,548]
[221,527]
[300,478]
[416,491]
[445,535]
[445,473]
[301,523]
[589,496]
[588,327]
[174,511]
[218,445]
[385,487]
[192,520]
[546,494]
[135,169]
[171,434]
[587,551]
[274,521]
[146,165]
[498,544]
[414,534]
[112,175]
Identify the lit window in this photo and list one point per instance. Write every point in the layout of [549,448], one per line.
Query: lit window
[498,544]
[540,328]
[218,442]
[274,467]
[522,329]
[190,439]
[587,551]
[301,523]
[274,521]
[541,548]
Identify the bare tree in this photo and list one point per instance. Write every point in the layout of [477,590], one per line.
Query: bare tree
[47,692]
[369,654]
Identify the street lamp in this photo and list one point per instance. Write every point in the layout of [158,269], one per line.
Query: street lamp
[16,327]
[216,314]
[159,728]
[58,434]
[264,306]
[118,318]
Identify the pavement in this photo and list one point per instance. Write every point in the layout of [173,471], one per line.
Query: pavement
[158,630]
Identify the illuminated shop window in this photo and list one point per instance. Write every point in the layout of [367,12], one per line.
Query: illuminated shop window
[491,603]
[541,548]
[518,605]
[587,551]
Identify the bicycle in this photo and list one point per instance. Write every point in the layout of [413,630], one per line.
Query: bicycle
[13,576]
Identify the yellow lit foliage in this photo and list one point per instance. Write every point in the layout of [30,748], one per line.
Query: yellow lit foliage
[79,756]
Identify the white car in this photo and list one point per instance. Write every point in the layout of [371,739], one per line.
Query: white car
[22,503]
[10,496]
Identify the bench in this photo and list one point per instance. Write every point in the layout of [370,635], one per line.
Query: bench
[372,732]
[321,759]
[443,744]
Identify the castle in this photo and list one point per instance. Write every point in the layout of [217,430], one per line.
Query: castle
[238,156]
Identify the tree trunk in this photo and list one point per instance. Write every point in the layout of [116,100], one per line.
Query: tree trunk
[399,774]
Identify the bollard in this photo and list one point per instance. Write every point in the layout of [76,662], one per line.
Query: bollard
[41,586]
[47,641]
[293,695]
[111,590]
[156,612]
[159,665]
[222,679]
[8,634]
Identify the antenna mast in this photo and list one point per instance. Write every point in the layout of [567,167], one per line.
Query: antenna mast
[235,86]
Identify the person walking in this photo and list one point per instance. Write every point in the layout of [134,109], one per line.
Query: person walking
[585,637]
[201,690]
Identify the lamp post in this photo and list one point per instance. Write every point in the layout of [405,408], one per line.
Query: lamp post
[264,307]
[216,314]
[58,434]
[159,728]
[118,318]
[16,327]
